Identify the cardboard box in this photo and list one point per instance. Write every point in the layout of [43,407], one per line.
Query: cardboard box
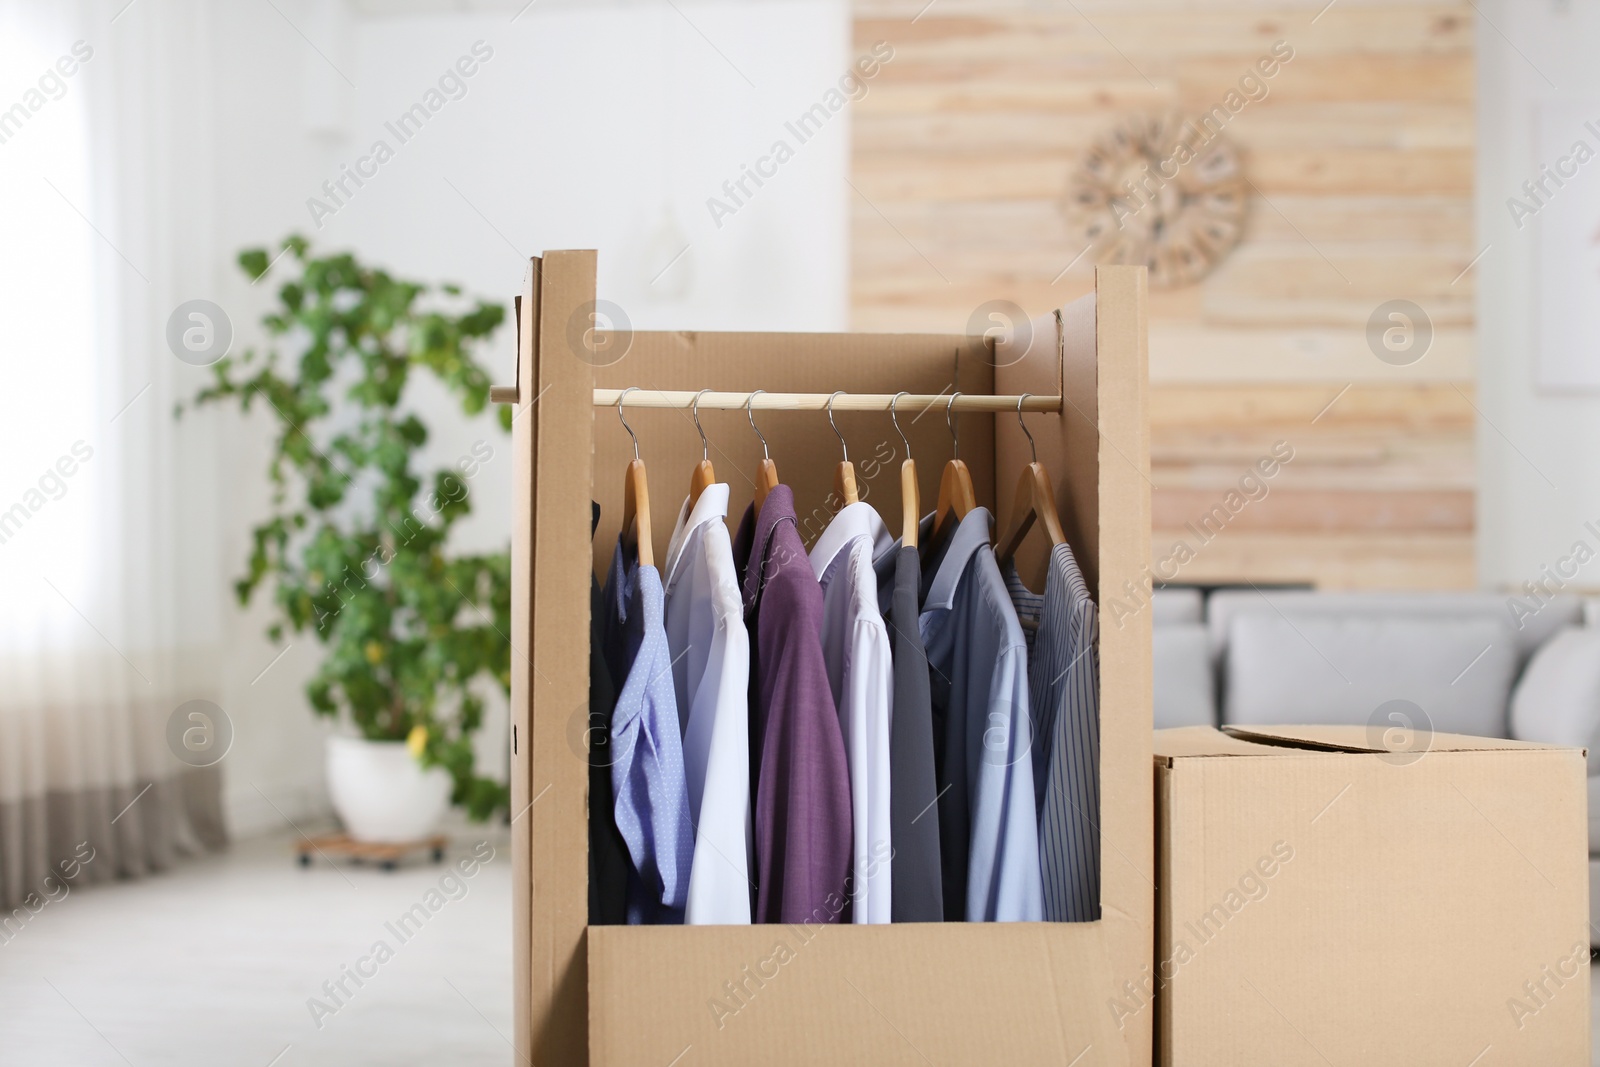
[1323,900]
[1008,993]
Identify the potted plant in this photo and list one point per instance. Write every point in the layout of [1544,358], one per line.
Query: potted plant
[356,548]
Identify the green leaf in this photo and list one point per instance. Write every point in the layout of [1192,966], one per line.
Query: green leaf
[253,261]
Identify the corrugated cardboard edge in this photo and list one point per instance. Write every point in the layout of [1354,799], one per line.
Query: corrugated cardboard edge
[523,434]
[1162,927]
[1123,555]
[558,771]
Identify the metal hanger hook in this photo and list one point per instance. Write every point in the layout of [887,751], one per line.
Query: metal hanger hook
[1031,446]
[955,434]
[836,432]
[894,417]
[751,415]
[694,409]
[620,398]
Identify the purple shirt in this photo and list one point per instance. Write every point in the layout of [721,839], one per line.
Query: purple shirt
[799,777]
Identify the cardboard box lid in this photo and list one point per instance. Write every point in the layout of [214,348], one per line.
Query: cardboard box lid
[1206,741]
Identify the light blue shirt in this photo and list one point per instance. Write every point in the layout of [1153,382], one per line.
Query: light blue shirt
[652,797]
[979,657]
[1064,685]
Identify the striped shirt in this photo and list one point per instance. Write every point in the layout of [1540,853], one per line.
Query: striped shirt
[1064,693]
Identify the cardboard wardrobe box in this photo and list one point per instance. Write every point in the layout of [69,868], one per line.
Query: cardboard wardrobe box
[949,993]
[1323,899]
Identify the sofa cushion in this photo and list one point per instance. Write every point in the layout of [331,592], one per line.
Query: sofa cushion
[1594,821]
[1557,702]
[1528,630]
[1594,902]
[1169,606]
[1185,691]
[1312,669]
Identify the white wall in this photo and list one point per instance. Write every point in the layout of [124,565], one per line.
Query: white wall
[603,128]
[1538,450]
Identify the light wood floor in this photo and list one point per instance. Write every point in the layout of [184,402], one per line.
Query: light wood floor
[213,963]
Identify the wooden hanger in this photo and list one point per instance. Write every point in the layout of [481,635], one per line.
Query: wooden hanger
[844,475]
[635,495]
[955,485]
[1035,499]
[767,472]
[910,496]
[703,475]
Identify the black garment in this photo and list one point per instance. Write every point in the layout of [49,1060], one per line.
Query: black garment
[608,853]
[949,739]
[917,892]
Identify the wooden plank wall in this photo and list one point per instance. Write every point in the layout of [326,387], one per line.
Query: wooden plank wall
[1361,160]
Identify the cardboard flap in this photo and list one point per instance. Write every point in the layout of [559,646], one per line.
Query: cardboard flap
[1370,738]
[1190,742]
[1185,741]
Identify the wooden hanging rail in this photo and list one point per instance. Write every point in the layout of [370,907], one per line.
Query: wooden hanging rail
[670,398]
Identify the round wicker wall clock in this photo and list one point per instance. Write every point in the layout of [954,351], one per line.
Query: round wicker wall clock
[1167,192]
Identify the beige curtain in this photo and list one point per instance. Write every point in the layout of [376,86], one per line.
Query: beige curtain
[85,772]
[107,597]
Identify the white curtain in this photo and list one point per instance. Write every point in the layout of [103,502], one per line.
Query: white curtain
[107,604]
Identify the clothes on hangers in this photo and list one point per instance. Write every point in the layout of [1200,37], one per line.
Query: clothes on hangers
[850,734]
[711,678]
[800,776]
[608,852]
[917,887]
[978,659]
[1064,690]
[652,801]
[855,648]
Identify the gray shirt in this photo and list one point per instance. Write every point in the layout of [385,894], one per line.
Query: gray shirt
[917,893]
[988,831]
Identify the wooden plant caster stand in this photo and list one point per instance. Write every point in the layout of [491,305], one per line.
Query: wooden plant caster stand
[385,855]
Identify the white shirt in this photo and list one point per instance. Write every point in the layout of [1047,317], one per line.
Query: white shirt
[855,646]
[711,673]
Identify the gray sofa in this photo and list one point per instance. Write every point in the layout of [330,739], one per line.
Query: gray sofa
[1470,663]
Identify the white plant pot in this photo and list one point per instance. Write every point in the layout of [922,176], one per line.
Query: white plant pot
[381,793]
